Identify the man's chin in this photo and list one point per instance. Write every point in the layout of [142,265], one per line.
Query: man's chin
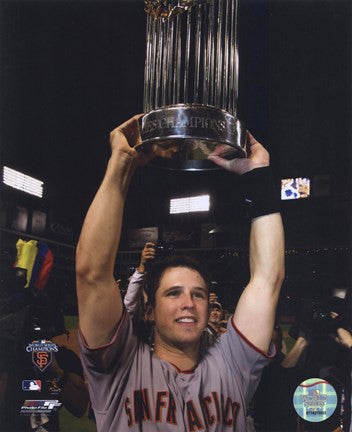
[187,341]
[184,340]
[186,345]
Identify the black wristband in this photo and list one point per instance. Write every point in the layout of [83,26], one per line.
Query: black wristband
[259,192]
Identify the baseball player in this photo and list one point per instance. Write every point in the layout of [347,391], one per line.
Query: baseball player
[173,385]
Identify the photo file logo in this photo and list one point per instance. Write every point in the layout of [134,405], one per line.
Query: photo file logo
[40,406]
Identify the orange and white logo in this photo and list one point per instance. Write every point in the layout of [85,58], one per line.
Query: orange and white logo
[42,359]
[42,353]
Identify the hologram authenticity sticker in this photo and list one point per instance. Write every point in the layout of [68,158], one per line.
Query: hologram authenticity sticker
[315,400]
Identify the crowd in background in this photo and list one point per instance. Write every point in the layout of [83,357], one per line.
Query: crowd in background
[317,344]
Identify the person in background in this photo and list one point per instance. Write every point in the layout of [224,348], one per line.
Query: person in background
[272,408]
[135,300]
[211,330]
[344,337]
[135,293]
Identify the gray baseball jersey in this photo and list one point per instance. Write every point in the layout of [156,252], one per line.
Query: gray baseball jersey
[133,390]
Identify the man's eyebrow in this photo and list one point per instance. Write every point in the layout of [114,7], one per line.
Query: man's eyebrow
[174,287]
[180,287]
[201,289]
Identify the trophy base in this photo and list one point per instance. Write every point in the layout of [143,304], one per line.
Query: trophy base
[183,136]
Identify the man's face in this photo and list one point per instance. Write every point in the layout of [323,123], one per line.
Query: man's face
[181,308]
[215,315]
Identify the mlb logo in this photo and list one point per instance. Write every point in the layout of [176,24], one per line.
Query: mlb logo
[31,385]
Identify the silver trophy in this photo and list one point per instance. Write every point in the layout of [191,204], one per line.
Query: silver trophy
[191,82]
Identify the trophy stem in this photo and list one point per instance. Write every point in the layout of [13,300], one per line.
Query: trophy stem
[174,67]
[159,63]
[236,61]
[205,60]
[178,60]
[187,55]
[233,76]
[219,66]
[226,57]
[164,65]
[197,54]
[151,66]
[212,56]
[170,47]
[147,67]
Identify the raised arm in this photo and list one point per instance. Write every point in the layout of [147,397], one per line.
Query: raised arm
[99,300]
[255,312]
[135,285]
[295,353]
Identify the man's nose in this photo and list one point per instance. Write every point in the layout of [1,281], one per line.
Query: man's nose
[187,301]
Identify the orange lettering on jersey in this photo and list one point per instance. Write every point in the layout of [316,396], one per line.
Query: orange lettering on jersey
[222,404]
[160,404]
[227,421]
[235,411]
[193,419]
[171,412]
[128,412]
[141,405]
[217,406]
[209,418]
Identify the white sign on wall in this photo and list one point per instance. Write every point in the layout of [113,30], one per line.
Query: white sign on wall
[136,238]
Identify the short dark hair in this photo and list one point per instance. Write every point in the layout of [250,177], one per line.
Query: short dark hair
[157,268]
[216,305]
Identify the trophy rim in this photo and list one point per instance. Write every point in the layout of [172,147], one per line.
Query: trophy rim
[189,165]
[190,137]
[191,105]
